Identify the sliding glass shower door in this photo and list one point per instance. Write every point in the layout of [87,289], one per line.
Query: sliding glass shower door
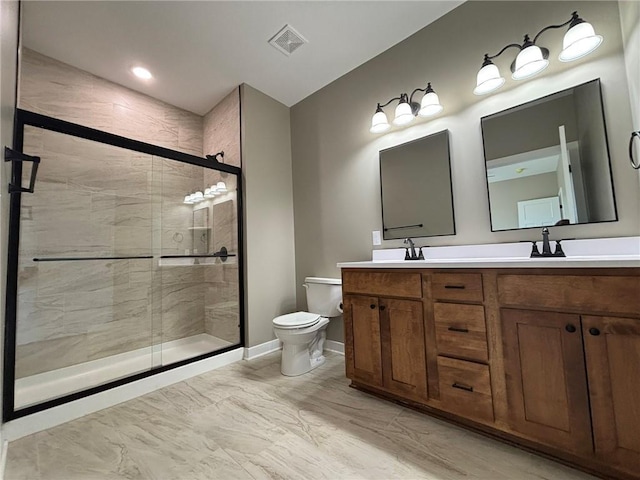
[122,262]
[85,256]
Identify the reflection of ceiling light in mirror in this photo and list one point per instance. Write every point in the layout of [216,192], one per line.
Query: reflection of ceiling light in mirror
[142,73]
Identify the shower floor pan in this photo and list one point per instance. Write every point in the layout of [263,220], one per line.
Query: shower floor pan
[56,383]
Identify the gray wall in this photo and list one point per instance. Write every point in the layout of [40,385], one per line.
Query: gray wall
[270,252]
[9,18]
[630,22]
[335,158]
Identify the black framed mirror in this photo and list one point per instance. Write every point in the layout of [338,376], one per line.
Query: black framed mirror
[415,180]
[547,161]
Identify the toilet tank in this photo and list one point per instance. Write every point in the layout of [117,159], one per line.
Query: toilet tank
[324,296]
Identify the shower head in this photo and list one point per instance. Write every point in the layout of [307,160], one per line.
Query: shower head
[215,156]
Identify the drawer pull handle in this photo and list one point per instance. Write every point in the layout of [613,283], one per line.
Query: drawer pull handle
[594,331]
[570,328]
[462,387]
[458,329]
[382,307]
[457,287]
[372,306]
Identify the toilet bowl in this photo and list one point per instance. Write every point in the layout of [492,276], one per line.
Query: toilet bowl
[303,333]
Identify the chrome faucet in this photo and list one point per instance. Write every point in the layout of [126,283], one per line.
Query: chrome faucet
[411,251]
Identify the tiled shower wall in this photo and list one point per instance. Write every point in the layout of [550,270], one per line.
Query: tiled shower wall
[69,313]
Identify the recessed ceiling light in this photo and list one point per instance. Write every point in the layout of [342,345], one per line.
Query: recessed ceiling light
[142,72]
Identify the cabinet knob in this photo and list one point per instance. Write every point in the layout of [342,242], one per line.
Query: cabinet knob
[382,307]
[594,331]
[570,328]
[372,306]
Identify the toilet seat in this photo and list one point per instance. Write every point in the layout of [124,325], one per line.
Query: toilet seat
[296,320]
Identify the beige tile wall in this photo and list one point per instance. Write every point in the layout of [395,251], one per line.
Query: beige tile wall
[222,131]
[98,200]
[53,88]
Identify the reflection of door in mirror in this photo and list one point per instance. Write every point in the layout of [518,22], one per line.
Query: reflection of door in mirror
[539,212]
[200,231]
[554,144]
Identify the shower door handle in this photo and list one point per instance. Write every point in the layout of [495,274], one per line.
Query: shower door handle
[16,159]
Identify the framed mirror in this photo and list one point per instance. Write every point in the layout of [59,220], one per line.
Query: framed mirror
[547,161]
[415,179]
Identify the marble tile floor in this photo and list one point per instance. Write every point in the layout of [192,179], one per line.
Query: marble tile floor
[247,421]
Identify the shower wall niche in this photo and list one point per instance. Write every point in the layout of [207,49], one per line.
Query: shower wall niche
[112,274]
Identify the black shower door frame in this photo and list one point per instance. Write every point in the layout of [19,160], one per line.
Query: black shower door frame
[25,118]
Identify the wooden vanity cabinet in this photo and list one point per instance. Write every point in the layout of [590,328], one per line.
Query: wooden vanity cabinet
[384,336]
[612,349]
[543,357]
[546,379]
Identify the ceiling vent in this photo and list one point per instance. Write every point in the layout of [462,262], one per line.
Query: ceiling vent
[287,40]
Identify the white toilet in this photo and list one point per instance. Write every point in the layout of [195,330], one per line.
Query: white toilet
[302,333]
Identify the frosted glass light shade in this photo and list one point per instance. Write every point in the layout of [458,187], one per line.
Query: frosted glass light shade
[404,115]
[198,197]
[529,62]
[221,187]
[430,105]
[379,123]
[580,40]
[488,80]
[209,193]
[188,200]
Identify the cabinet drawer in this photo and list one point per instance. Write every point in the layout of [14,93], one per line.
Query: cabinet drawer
[586,293]
[457,286]
[465,389]
[461,331]
[394,284]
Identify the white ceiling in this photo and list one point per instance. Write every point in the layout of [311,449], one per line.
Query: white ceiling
[199,51]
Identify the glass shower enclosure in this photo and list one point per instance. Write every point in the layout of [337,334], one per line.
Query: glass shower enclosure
[124,261]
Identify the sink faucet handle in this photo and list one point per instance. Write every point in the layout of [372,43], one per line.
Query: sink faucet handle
[534,249]
[420,254]
[558,252]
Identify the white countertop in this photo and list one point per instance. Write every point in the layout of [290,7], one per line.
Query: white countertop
[587,253]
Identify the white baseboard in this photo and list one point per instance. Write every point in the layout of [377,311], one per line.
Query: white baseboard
[333,346]
[51,417]
[262,349]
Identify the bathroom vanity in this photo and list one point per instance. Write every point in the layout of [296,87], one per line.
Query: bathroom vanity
[543,354]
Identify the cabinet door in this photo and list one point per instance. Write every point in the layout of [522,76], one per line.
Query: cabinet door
[546,379]
[403,348]
[362,339]
[612,347]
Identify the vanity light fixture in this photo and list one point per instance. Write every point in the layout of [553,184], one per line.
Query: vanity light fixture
[188,200]
[221,187]
[407,109]
[580,40]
